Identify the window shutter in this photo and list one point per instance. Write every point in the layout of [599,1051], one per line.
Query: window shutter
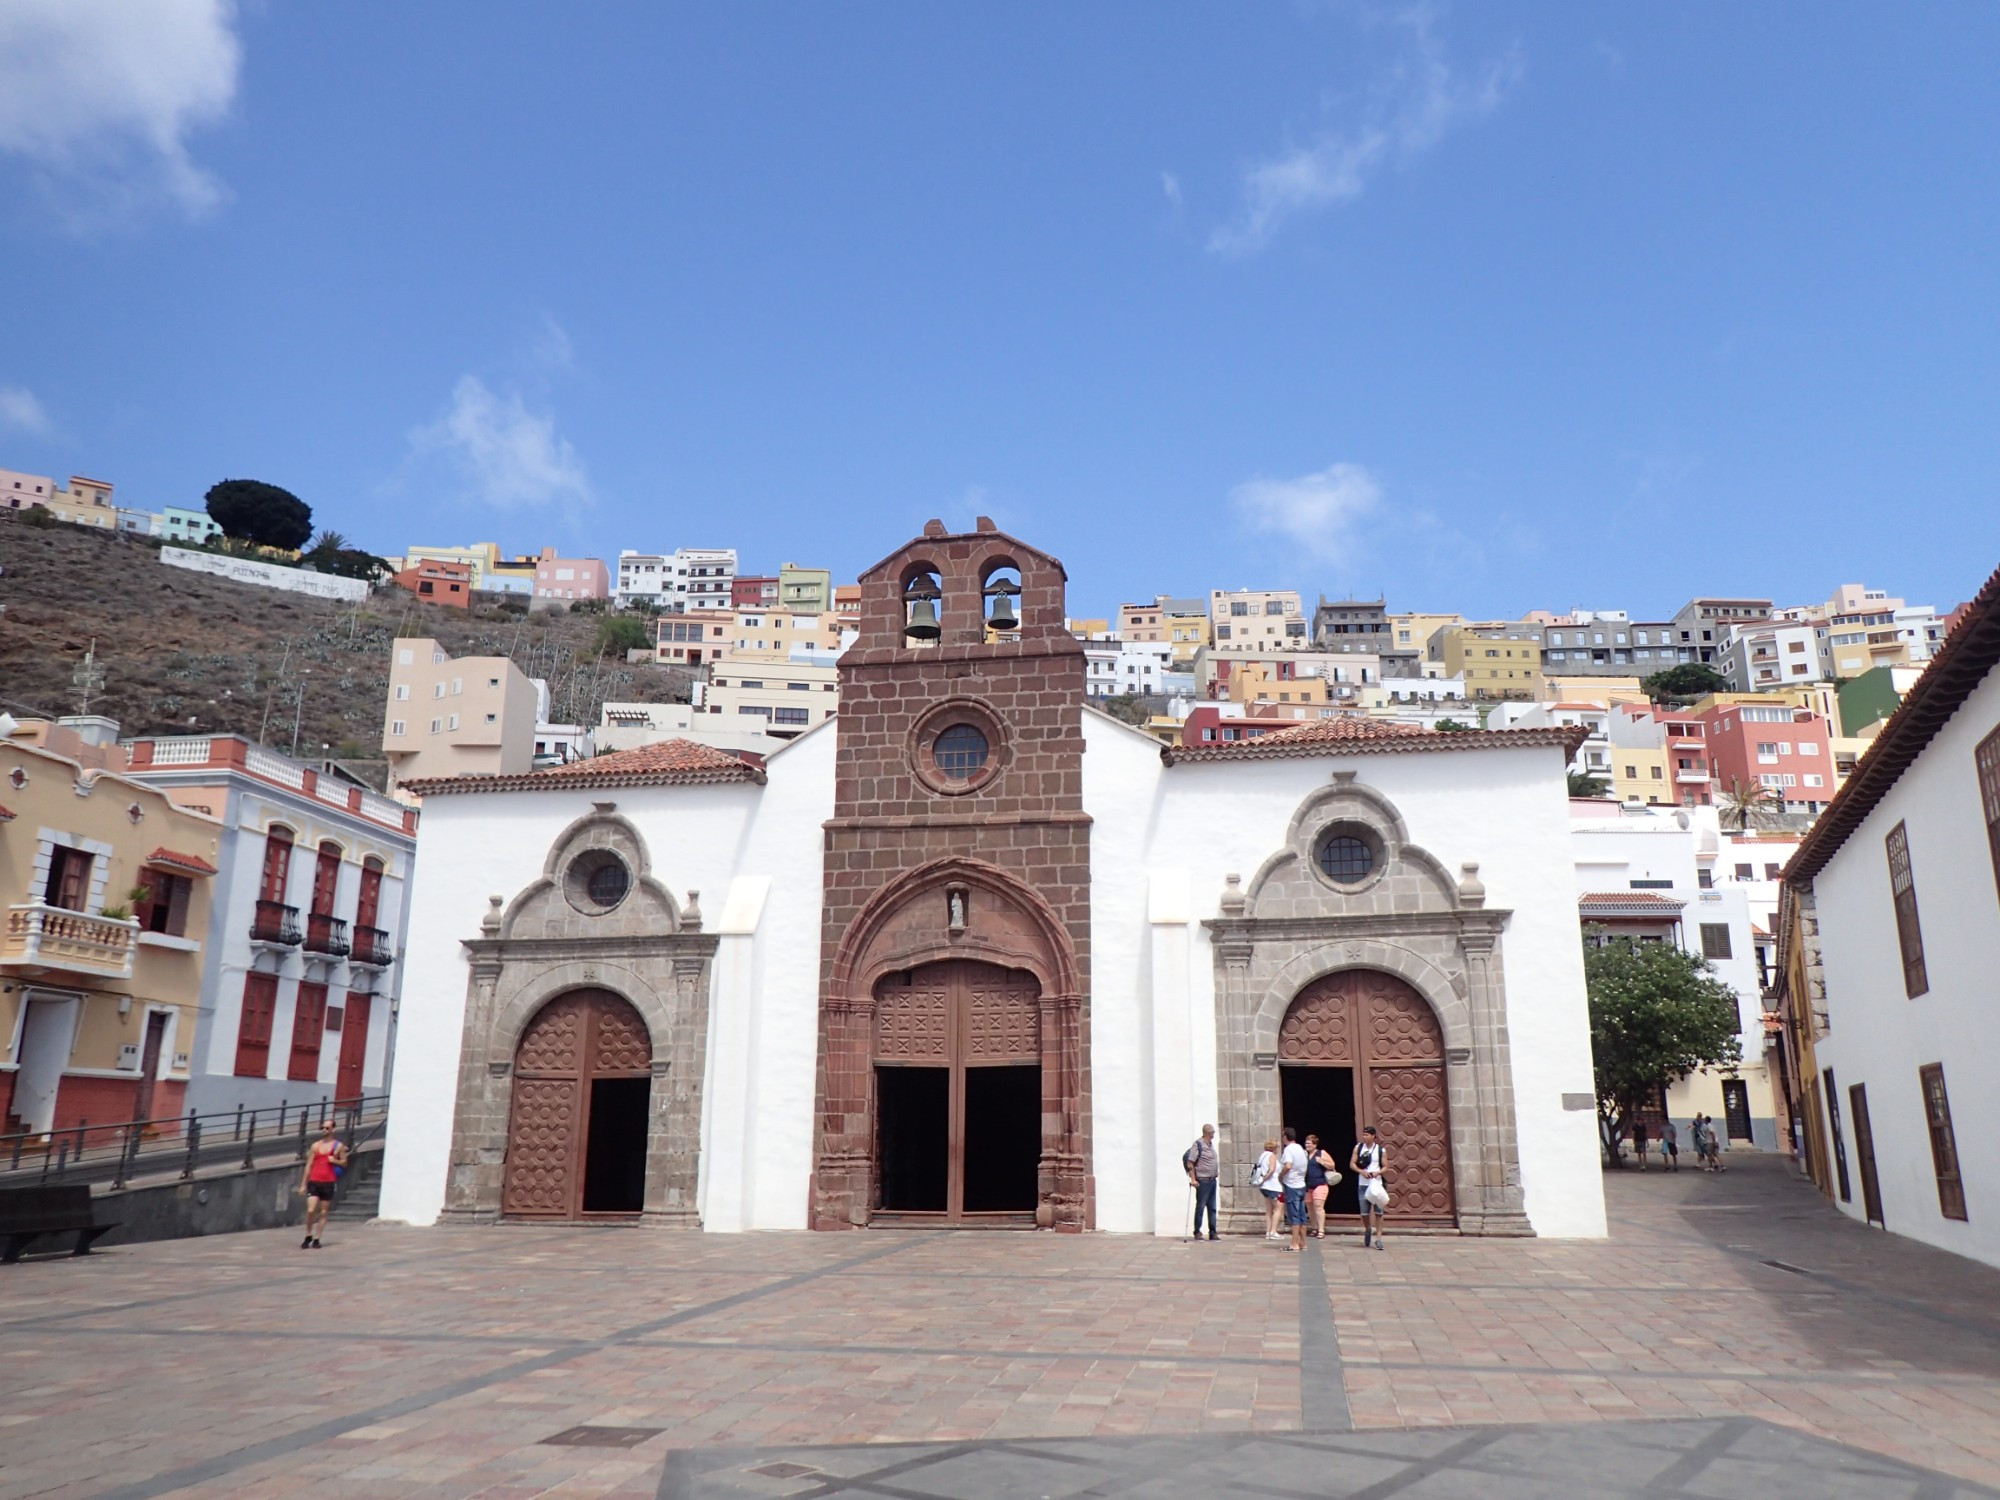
[1987,759]
[1909,933]
[1944,1147]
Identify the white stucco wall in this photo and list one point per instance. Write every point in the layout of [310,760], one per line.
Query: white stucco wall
[1879,1037]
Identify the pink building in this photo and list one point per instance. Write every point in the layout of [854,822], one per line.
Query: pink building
[570,577]
[1777,746]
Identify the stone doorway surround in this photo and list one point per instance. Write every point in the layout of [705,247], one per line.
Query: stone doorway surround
[647,949]
[1408,918]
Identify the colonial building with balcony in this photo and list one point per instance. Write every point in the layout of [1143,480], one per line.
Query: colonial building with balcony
[107,892]
[301,985]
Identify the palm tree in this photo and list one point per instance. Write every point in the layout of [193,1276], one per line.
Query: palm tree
[1746,806]
[329,541]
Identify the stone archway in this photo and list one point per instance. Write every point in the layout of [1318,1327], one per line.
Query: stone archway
[577,1129]
[1365,1044]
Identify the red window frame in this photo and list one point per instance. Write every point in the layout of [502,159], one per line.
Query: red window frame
[253,1026]
[326,879]
[277,864]
[369,903]
[1944,1144]
[308,1030]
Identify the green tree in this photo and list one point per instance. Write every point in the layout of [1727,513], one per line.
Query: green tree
[1583,784]
[1656,1015]
[1452,726]
[1126,707]
[262,513]
[330,553]
[1682,684]
[1749,805]
[617,634]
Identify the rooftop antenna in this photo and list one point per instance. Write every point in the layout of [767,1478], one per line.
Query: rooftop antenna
[88,678]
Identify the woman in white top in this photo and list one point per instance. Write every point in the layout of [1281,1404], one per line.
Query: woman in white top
[1272,1187]
[1366,1161]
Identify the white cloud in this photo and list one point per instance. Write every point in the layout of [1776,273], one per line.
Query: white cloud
[499,453]
[1318,513]
[1171,186]
[1414,105]
[102,95]
[21,411]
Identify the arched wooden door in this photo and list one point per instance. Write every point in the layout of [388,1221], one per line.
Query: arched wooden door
[1360,1047]
[959,1104]
[576,1133]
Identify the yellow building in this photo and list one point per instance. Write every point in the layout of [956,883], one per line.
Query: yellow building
[107,885]
[87,502]
[1495,666]
[482,557]
[1258,686]
[1412,632]
[1602,691]
[774,634]
[1642,773]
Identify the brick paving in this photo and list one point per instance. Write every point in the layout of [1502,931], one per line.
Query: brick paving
[436,1363]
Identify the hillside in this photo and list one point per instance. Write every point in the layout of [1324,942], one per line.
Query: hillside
[186,653]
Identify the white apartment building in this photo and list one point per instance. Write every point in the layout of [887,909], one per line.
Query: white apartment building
[301,964]
[1258,617]
[1129,668]
[1768,654]
[1897,888]
[691,578]
[1593,755]
[631,726]
[1653,874]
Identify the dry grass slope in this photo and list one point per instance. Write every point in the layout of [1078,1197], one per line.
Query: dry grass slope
[185,653]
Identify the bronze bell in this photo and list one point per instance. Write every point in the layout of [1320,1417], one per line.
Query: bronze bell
[1003,618]
[923,624]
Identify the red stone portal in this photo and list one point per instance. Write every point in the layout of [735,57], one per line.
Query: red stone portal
[958,835]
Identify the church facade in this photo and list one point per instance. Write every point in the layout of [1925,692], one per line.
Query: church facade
[974,953]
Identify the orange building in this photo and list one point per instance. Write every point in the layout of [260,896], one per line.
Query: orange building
[439,582]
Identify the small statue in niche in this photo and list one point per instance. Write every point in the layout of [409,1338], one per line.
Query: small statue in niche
[955,910]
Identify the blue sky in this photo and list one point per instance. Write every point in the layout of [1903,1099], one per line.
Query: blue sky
[1481,307]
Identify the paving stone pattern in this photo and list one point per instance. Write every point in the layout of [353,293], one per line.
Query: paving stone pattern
[1671,1360]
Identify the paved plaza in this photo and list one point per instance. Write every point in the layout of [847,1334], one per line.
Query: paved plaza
[1734,1337]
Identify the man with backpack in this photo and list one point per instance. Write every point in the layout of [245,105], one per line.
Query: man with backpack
[1203,1168]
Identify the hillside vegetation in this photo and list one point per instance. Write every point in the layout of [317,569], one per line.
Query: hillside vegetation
[186,653]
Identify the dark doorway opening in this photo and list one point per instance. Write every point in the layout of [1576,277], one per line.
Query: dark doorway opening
[614,1166]
[1319,1100]
[913,1140]
[1003,1139]
[1736,1109]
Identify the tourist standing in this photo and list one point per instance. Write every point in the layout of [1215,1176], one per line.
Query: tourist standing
[326,1158]
[1367,1163]
[1639,1141]
[1321,1175]
[1203,1167]
[1670,1147]
[1292,1173]
[1264,1177]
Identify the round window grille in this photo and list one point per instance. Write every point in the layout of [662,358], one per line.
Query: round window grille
[597,881]
[1345,859]
[959,751]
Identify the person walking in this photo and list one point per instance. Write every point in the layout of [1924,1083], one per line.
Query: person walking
[1292,1174]
[1670,1146]
[1639,1138]
[1203,1167]
[1264,1177]
[1367,1163]
[326,1158]
[1321,1175]
[1714,1145]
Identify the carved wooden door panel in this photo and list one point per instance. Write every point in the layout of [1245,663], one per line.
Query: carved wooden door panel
[953,1015]
[1386,1032]
[572,1040]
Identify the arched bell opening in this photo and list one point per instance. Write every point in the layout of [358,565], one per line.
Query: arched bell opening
[923,591]
[1000,591]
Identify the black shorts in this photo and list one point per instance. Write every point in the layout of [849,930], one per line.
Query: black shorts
[320,1190]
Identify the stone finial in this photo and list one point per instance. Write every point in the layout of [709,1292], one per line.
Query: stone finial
[691,913]
[1343,778]
[490,923]
[935,528]
[984,523]
[1471,889]
[1233,902]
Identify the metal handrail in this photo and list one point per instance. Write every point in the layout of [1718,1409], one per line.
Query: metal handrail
[275,922]
[115,1153]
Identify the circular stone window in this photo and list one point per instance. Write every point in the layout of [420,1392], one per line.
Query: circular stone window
[959,752]
[1345,856]
[596,881]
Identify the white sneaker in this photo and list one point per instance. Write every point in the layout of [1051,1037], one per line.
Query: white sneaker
[1271,1236]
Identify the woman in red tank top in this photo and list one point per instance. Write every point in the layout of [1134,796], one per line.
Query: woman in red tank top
[324,1160]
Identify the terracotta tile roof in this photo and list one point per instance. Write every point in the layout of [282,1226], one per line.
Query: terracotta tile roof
[1355,735]
[669,763]
[1962,663]
[191,862]
[1628,903]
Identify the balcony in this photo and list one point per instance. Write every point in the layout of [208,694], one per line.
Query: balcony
[275,923]
[326,934]
[1691,778]
[40,936]
[371,948]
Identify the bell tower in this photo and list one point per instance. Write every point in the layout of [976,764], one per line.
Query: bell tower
[956,929]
